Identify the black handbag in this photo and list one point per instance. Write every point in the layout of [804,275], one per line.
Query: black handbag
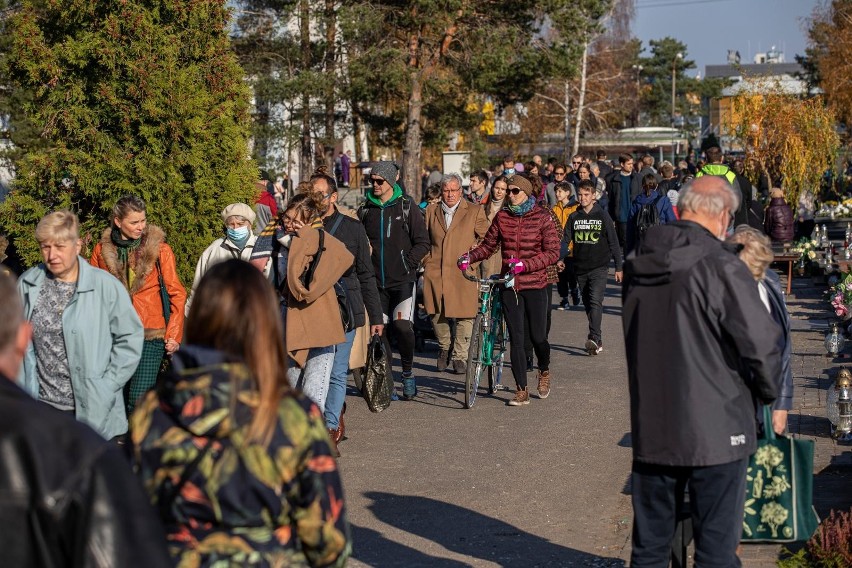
[378,381]
[347,317]
[166,363]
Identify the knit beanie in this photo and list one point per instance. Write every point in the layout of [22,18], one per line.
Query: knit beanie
[386,170]
[521,183]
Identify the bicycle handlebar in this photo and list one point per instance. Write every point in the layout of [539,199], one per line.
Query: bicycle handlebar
[494,279]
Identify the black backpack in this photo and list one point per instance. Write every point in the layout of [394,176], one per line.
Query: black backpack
[647,217]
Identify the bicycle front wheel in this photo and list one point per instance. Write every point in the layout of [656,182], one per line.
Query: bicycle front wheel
[498,357]
[474,362]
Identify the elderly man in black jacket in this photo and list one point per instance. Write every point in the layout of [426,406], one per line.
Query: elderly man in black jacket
[701,347]
[69,497]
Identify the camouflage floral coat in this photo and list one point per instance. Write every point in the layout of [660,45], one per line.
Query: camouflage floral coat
[243,504]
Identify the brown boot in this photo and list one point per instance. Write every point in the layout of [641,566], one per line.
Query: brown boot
[543,384]
[332,435]
[522,396]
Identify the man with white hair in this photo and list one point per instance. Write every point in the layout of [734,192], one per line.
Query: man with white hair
[455,226]
[701,347]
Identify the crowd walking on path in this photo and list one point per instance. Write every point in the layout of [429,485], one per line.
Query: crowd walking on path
[229,403]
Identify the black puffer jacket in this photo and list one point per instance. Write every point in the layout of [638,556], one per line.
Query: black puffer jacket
[778,223]
[69,497]
[700,345]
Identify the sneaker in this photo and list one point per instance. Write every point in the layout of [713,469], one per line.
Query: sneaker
[409,387]
[529,364]
[564,305]
[543,384]
[443,361]
[575,296]
[459,367]
[592,347]
[522,396]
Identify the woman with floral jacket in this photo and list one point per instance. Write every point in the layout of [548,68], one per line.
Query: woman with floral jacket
[238,464]
[135,252]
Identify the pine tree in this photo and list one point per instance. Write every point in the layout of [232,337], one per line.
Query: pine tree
[128,96]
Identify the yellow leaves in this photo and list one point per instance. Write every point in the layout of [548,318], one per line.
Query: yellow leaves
[772,125]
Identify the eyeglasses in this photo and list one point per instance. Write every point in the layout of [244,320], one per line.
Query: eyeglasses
[515,190]
[375,181]
[450,191]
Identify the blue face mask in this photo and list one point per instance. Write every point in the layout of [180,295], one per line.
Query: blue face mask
[239,235]
[509,172]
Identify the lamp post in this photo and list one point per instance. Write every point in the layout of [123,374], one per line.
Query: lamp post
[674,89]
[638,69]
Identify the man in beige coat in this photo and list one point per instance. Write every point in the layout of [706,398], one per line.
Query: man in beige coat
[455,226]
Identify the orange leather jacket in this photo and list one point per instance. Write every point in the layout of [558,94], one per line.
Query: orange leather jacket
[145,288]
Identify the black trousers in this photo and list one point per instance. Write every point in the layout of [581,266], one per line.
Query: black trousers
[533,304]
[716,500]
[567,279]
[398,307]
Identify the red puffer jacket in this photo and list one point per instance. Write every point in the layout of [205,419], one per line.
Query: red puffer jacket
[778,223]
[530,237]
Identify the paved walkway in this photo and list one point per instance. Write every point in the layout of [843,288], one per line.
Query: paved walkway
[430,483]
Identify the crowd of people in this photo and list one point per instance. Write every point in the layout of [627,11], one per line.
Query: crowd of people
[230,402]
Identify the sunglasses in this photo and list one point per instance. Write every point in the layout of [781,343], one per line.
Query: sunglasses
[375,181]
[576,163]
[559,173]
[515,190]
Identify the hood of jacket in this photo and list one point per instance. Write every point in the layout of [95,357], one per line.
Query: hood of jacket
[196,393]
[671,249]
[146,256]
[372,199]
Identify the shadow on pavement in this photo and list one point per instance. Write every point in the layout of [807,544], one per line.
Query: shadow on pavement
[461,531]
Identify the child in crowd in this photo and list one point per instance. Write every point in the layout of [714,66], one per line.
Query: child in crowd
[591,233]
[566,203]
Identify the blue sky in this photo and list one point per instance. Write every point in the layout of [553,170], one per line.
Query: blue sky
[709,28]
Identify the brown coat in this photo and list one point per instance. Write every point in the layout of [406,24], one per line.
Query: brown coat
[313,317]
[442,280]
[145,291]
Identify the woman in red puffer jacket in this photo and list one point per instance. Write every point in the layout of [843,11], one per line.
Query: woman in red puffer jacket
[778,219]
[529,243]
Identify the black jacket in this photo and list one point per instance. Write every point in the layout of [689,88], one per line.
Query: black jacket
[68,497]
[741,215]
[360,279]
[595,240]
[700,345]
[397,252]
[613,190]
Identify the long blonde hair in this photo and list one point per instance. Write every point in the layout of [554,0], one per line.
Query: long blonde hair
[235,311]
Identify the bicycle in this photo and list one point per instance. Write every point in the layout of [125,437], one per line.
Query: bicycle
[487,339]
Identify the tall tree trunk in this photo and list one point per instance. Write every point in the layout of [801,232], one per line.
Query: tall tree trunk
[581,99]
[567,109]
[330,70]
[305,156]
[413,139]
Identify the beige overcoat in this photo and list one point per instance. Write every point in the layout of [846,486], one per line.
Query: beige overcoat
[442,280]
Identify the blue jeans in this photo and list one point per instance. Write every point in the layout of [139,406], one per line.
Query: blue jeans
[337,385]
[592,288]
[313,378]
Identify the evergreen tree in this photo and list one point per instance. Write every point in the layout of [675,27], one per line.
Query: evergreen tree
[128,96]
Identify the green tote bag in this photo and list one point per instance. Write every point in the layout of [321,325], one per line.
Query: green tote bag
[779,489]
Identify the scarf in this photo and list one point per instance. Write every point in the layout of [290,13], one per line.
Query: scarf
[523,208]
[124,248]
[449,212]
